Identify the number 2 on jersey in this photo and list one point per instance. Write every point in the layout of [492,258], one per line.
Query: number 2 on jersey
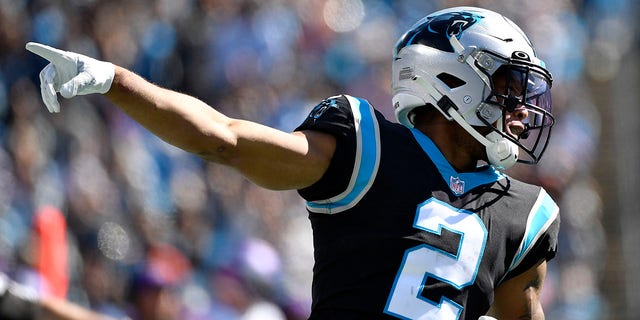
[425,261]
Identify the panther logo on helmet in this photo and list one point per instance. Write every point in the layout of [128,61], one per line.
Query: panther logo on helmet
[444,26]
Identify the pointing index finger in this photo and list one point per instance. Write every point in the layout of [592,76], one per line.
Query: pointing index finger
[54,55]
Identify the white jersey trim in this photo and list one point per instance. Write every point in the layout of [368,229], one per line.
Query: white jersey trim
[367,160]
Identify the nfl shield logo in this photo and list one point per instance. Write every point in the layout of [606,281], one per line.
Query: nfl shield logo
[456,185]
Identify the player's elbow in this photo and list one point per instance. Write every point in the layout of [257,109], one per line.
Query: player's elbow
[217,151]
[216,143]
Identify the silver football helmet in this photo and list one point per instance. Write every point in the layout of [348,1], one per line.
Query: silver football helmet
[476,67]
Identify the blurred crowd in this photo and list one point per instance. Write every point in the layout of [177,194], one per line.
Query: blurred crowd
[151,232]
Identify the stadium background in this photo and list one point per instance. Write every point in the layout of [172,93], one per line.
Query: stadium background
[142,216]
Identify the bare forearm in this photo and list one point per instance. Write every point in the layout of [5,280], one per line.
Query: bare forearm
[179,119]
[59,309]
[269,157]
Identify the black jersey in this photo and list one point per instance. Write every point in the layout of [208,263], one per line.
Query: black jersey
[398,233]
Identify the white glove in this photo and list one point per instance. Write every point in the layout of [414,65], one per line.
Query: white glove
[487,318]
[70,74]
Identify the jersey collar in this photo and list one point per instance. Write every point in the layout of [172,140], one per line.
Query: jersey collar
[459,182]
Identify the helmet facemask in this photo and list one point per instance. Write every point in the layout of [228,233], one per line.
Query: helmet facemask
[522,91]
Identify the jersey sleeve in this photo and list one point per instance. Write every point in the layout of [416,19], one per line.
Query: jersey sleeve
[333,116]
[354,123]
[540,241]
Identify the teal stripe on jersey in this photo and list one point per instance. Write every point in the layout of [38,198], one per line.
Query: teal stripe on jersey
[459,183]
[542,215]
[366,164]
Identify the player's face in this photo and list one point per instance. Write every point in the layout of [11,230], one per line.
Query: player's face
[515,122]
[509,90]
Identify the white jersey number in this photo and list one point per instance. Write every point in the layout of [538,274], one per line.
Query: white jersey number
[425,261]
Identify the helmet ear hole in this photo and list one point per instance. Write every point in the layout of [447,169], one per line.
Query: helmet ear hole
[450,80]
[403,103]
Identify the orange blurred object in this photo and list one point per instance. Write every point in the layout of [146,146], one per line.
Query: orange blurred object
[51,227]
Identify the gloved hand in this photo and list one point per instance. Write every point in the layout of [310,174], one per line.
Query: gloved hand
[487,318]
[17,301]
[70,74]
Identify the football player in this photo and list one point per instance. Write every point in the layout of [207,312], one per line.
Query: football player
[411,220]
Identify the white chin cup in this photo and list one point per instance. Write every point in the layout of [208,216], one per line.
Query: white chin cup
[501,153]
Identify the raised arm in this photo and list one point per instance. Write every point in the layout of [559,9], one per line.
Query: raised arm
[519,297]
[271,158]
